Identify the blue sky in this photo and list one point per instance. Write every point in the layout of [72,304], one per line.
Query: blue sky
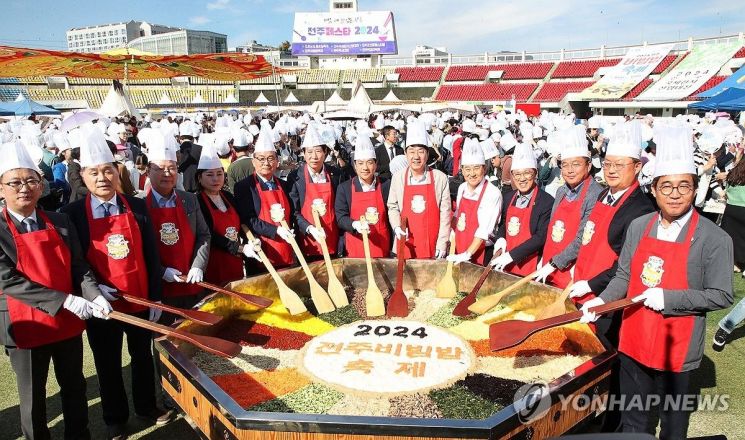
[463,27]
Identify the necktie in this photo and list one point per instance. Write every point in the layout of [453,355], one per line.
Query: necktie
[609,199]
[270,185]
[162,203]
[106,209]
[392,153]
[30,224]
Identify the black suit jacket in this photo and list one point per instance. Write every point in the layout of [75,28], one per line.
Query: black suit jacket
[635,206]
[187,165]
[219,241]
[343,202]
[539,220]
[15,285]
[78,216]
[381,153]
[297,193]
[248,204]
[78,189]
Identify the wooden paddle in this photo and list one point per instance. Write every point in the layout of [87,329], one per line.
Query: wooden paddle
[258,301]
[557,307]
[336,290]
[509,333]
[447,288]
[217,346]
[487,303]
[374,304]
[398,304]
[289,298]
[196,316]
[461,309]
[320,298]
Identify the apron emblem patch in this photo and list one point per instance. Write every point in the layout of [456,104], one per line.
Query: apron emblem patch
[418,204]
[117,247]
[277,212]
[557,231]
[652,272]
[588,232]
[513,226]
[168,234]
[319,206]
[372,215]
[461,226]
[231,233]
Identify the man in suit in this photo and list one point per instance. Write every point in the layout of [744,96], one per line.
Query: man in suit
[313,188]
[526,212]
[77,187]
[41,311]
[189,153]
[386,151]
[116,236]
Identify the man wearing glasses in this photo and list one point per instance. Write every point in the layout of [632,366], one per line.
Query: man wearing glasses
[574,201]
[526,212]
[262,202]
[676,265]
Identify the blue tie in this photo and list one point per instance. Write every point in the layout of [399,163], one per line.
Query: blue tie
[106,209]
[270,185]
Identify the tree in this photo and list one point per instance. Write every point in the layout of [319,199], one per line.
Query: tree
[284,46]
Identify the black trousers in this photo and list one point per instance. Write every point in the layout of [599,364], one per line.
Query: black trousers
[105,338]
[638,380]
[31,367]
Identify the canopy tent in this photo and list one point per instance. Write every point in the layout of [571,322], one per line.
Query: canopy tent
[716,101]
[261,99]
[118,103]
[291,99]
[23,106]
[336,100]
[735,104]
[23,62]
[737,79]
[198,99]
[230,99]
[391,97]
[360,102]
[165,99]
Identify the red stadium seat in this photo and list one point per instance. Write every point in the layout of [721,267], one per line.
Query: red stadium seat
[740,53]
[511,71]
[486,92]
[555,91]
[713,81]
[664,64]
[637,90]
[581,69]
[420,74]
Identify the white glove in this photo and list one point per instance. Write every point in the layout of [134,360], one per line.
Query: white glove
[360,227]
[587,315]
[285,234]
[107,292]
[653,298]
[249,249]
[501,261]
[318,234]
[155,313]
[171,275]
[79,306]
[544,272]
[101,307]
[401,234]
[459,258]
[195,275]
[579,289]
[440,254]
[501,243]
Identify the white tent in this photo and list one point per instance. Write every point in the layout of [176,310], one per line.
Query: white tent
[291,99]
[117,103]
[165,99]
[198,99]
[360,102]
[391,97]
[261,99]
[231,99]
[336,100]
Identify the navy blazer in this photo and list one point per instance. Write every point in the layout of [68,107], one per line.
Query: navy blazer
[539,220]
[381,155]
[297,192]
[248,204]
[77,212]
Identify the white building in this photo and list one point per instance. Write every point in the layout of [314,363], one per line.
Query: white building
[101,38]
[182,42]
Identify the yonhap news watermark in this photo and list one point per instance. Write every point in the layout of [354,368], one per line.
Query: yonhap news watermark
[532,402]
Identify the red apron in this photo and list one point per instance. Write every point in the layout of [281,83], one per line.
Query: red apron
[517,232]
[380,239]
[457,150]
[467,222]
[44,258]
[141,182]
[646,336]
[175,244]
[115,255]
[562,229]
[277,250]
[325,192]
[595,254]
[223,266]
[424,218]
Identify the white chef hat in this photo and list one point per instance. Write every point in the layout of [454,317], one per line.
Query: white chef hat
[363,148]
[312,137]
[94,150]
[253,129]
[593,122]
[398,163]
[489,149]
[507,141]
[208,160]
[469,126]
[241,138]
[15,155]
[472,153]
[61,141]
[265,142]
[626,140]
[711,139]
[161,147]
[674,150]
[575,142]
[416,134]
[523,157]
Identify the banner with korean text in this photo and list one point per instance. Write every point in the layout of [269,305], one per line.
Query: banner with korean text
[704,61]
[638,63]
[344,33]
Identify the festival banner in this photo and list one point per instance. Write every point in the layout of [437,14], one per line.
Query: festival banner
[702,63]
[736,80]
[344,33]
[638,63]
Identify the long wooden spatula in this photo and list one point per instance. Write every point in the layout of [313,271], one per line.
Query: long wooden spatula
[335,288]
[398,305]
[374,304]
[196,316]
[487,303]
[447,288]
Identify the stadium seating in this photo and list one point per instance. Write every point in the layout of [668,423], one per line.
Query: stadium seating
[637,90]
[365,75]
[555,91]
[713,81]
[511,71]
[740,53]
[581,69]
[10,94]
[486,92]
[420,74]
[664,64]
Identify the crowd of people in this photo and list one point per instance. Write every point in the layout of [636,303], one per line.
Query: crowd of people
[616,207]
